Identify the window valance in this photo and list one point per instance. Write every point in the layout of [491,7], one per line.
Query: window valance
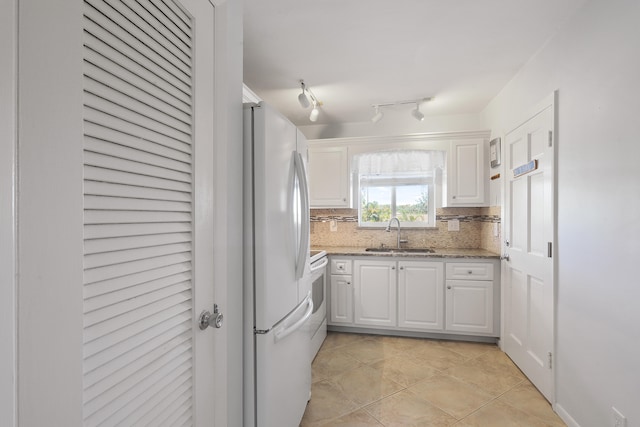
[398,162]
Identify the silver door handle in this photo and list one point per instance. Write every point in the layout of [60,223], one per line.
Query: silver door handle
[303,250]
[505,257]
[214,320]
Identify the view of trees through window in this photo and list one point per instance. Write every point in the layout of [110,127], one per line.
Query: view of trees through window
[380,203]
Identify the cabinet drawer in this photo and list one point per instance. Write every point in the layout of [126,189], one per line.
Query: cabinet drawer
[341,266]
[469,271]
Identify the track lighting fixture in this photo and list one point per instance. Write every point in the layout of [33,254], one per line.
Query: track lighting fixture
[302,98]
[416,113]
[304,101]
[378,115]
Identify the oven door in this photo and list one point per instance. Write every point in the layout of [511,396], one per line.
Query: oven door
[317,322]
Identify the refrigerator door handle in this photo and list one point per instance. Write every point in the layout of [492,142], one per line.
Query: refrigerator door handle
[303,250]
[287,330]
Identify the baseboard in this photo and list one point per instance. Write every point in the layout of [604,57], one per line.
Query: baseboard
[564,415]
[413,334]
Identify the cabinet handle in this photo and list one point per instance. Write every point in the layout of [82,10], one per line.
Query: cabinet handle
[401,268]
[348,283]
[448,287]
[470,272]
[393,268]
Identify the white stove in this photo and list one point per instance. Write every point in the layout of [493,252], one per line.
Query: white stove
[318,319]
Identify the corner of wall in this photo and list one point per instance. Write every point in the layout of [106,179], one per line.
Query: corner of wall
[8,144]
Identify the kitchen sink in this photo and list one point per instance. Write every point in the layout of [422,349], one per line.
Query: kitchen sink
[401,250]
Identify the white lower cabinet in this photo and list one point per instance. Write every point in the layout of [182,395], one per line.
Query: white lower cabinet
[341,304]
[375,293]
[420,295]
[341,292]
[469,297]
[414,295]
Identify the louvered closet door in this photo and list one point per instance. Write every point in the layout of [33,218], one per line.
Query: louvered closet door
[148,177]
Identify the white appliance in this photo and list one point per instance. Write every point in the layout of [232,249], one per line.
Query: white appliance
[277,282]
[318,321]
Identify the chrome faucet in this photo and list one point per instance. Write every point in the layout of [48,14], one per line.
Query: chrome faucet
[388,229]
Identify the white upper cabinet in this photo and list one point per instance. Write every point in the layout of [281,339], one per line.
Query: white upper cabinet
[466,174]
[465,178]
[329,177]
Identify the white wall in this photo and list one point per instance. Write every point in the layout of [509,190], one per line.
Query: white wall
[594,62]
[395,122]
[7,231]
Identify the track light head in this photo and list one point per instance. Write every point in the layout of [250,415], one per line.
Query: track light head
[302,98]
[314,113]
[378,115]
[307,98]
[417,114]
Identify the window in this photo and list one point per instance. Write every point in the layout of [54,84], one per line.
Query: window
[397,184]
[407,198]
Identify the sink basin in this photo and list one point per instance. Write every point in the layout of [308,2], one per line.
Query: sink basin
[402,250]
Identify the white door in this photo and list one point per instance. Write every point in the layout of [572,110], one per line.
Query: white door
[136,264]
[529,237]
[328,177]
[420,295]
[375,293]
[466,170]
[148,202]
[341,299]
[469,306]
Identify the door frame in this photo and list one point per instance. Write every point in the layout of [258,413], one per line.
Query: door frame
[228,227]
[549,100]
[8,144]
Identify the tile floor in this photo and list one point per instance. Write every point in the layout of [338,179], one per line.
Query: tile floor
[368,380]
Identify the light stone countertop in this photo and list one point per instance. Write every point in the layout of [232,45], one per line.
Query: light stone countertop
[439,253]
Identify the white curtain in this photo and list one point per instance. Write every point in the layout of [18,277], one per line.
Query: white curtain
[398,162]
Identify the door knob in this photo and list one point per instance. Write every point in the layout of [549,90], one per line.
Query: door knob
[505,257]
[214,320]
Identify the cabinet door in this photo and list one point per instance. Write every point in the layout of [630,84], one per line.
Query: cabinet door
[341,300]
[466,173]
[375,293]
[328,177]
[469,306]
[420,295]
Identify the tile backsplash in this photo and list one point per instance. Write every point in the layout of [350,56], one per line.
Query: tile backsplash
[476,230]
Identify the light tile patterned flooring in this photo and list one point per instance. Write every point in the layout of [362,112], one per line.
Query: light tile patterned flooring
[368,380]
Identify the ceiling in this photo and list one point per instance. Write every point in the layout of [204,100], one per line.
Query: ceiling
[356,53]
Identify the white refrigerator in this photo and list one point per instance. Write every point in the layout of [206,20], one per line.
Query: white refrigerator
[277,284]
